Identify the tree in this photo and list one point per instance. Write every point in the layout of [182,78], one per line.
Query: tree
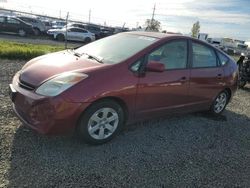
[195,29]
[152,25]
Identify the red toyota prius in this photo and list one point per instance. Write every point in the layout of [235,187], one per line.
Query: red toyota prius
[98,88]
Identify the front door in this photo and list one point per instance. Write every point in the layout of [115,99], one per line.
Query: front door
[71,34]
[160,92]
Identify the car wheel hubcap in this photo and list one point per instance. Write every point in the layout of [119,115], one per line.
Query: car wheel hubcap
[220,102]
[21,32]
[103,123]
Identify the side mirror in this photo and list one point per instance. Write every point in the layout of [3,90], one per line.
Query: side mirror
[155,66]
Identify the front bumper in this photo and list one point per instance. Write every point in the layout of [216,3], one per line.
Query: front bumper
[46,115]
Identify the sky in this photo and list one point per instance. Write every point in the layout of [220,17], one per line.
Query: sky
[218,18]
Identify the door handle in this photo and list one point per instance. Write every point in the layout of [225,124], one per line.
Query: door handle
[183,79]
[219,76]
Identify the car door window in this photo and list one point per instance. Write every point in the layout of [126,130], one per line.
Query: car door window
[79,30]
[73,30]
[12,21]
[223,59]
[173,55]
[203,56]
[83,31]
[2,19]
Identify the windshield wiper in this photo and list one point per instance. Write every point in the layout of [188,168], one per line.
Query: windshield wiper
[89,56]
[75,53]
[93,57]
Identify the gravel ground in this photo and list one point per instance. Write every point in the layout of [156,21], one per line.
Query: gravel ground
[194,150]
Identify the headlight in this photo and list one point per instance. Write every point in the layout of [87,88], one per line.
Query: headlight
[59,84]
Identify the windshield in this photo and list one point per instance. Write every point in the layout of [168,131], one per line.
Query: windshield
[117,48]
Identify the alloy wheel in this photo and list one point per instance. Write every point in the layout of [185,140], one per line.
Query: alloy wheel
[220,103]
[21,32]
[103,123]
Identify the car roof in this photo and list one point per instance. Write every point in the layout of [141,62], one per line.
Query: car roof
[77,28]
[155,34]
[165,35]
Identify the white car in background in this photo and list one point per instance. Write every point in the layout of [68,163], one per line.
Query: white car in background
[73,34]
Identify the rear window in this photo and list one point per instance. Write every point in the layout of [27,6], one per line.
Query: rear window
[223,59]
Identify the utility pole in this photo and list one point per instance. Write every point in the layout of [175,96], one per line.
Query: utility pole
[66,31]
[123,25]
[153,15]
[89,15]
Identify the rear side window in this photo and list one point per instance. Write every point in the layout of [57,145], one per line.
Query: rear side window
[173,55]
[12,21]
[223,59]
[203,56]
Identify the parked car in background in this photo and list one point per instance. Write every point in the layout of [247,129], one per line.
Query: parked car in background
[58,24]
[73,33]
[120,29]
[48,24]
[15,25]
[106,32]
[95,89]
[91,28]
[37,24]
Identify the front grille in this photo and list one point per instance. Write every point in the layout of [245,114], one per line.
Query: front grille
[25,85]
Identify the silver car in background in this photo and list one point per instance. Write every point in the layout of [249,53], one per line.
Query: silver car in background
[37,24]
[73,34]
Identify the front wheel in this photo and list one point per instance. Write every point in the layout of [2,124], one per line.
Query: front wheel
[220,103]
[101,122]
[21,32]
[37,31]
[60,37]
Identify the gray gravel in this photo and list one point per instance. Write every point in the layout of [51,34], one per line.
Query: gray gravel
[193,150]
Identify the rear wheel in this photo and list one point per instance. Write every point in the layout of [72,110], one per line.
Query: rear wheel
[101,122]
[220,103]
[87,40]
[60,37]
[21,32]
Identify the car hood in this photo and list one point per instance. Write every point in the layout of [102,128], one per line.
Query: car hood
[42,68]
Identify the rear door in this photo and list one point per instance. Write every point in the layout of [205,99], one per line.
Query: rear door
[13,25]
[2,24]
[161,92]
[206,79]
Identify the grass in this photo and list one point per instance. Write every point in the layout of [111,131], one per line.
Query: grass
[22,51]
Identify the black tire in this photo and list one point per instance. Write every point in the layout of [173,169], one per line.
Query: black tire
[87,40]
[215,110]
[60,37]
[37,32]
[21,32]
[86,123]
